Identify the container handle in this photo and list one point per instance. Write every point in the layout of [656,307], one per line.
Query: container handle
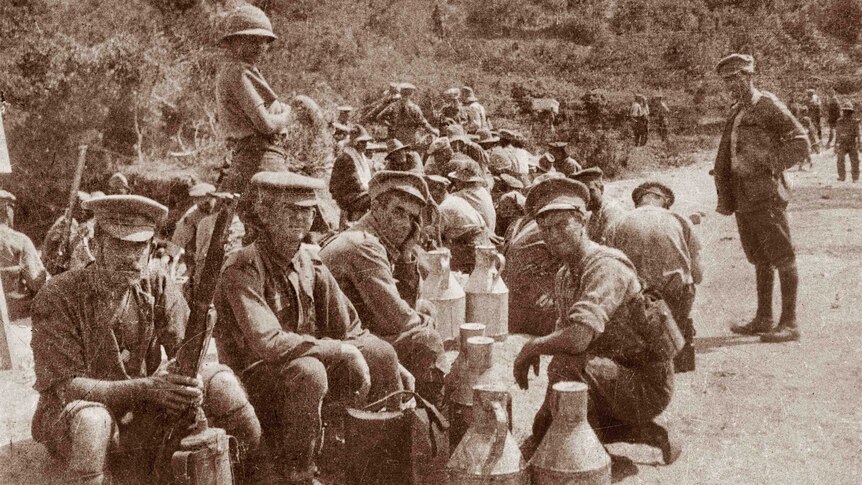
[501,432]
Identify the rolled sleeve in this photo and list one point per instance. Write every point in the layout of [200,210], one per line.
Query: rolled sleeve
[605,285]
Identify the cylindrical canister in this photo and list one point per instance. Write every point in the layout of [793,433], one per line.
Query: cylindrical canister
[487,294]
[570,453]
[488,453]
[442,289]
[203,459]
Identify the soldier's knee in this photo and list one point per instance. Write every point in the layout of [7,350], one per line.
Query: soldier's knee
[227,407]
[379,353]
[307,376]
[92,423]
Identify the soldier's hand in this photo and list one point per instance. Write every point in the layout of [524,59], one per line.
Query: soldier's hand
[407,379]
[356,362]
[545,302]
[525,361]
[173,392]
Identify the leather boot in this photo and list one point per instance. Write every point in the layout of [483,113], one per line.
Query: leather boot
[787,329]
[762,322]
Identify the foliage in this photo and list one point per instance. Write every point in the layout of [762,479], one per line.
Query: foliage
[843,19]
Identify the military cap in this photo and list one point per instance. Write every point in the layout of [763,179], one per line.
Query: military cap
[127,217]
[394,145]
[405,182]
[557,193]
[299,188]
[6,196]
[546,176]
[407,87]
[735,63]
[345,109]
[201,189]
[468,94]
[511,205]
[118,180]
[468,171]
[848,106]
[486,137]
[361,134]
[465,138]
[247,20]
[454,129]
[452,93]
[511,181]
[558,144]
[656,188]
[437,179]
[438,144]
[588,175]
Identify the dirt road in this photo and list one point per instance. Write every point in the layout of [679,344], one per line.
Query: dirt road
[751,413]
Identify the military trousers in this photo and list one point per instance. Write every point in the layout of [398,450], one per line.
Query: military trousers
[852,151]
[419,351]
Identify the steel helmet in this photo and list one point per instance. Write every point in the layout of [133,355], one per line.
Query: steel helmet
[247,20]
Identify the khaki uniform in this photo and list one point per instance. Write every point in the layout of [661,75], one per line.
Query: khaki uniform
[604,218]
[21,270]
[407,121]
[847,143]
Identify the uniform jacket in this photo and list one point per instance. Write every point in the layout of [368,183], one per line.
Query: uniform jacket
[847,132]
[768,139]
[601,220]
[19,263]
[275,311]
[406,119]
[349,181]
[477,118]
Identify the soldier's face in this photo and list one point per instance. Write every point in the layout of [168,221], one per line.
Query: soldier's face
[738,85]
[563,233]
[122,256]
[401,214]
[285,222]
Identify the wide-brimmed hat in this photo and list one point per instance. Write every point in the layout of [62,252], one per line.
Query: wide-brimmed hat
[201,189]
[848,106]
[468,171]
[360,134]
[467,94]
[653,187]
[247,20]
[394,145]
[486,137]
[438,144]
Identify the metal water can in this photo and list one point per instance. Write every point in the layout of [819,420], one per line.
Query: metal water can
[488,453]
[487,294]
[459,365]
[442,289]
[203,458]
[570,453]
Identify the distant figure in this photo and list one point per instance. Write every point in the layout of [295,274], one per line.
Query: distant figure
[453,111]
[405,118]
[477,118]
[351,173]
[662,117]
[562,162]
[21,270]
[639,115]
[812,102]
[847,142]
[402,158]
[833,112]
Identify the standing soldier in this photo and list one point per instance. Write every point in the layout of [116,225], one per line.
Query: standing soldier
[605,211]
[21,270]
[118,184]
[847,142]
[812,102]
[250,115]
[833,112]
[98,337]
[477,118]
[662,116]
[639,115]
[185,232]
[375,265]
[350,176]
[601,337]
[666,253]
[288,331]
[405,118]
[761,139]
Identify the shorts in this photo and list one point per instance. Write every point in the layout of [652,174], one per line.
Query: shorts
[765,237]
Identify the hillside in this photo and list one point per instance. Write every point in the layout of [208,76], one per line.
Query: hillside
[134,78]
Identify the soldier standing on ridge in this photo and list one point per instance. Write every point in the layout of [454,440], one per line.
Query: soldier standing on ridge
[847,142]
[761,140]
[833,112]
[405,118]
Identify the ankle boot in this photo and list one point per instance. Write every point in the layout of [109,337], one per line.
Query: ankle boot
[762,321]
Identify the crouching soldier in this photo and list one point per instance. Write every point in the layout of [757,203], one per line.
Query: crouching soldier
[98,335]
[289,332]
[599,339]
[375,265]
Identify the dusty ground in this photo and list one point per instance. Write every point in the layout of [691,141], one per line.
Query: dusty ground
[751,413]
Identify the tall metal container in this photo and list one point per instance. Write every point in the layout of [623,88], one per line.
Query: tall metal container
[488,454]
[459,366]
[487,294]
[442,289]
[570,453]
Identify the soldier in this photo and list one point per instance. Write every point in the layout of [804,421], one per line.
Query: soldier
[21,270]
[343,117]
[662,115]
[98,337]
[401,158]
[509,202]
[469,183]
[118,184]
[405,118]
[562,162]
[390,95]
[847,142]
[665,251]
[251,117]
[439,154]
[812,102]
[599,337]
[461,227]
[375,265]
[833,112]
[477,118]
[605,211]
[185,232]
[761,139]
[806,123]
[350,176]
[639,115]
[453,111]
[287,329]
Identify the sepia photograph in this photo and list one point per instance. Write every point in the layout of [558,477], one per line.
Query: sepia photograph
[430,242]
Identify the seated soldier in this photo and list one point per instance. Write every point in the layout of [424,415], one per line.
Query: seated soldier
[599,337]
[290,333]
[375,265]
[98,334]
[460,227]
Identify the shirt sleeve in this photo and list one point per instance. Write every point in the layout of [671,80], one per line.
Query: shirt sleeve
[694,248]
[58,352]
[372,276]
[183,232]
[341,320]
[242,288]
[171,315]
[32,270]
[605,284]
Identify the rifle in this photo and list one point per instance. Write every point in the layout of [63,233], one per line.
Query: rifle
[203,454]
[59,261]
